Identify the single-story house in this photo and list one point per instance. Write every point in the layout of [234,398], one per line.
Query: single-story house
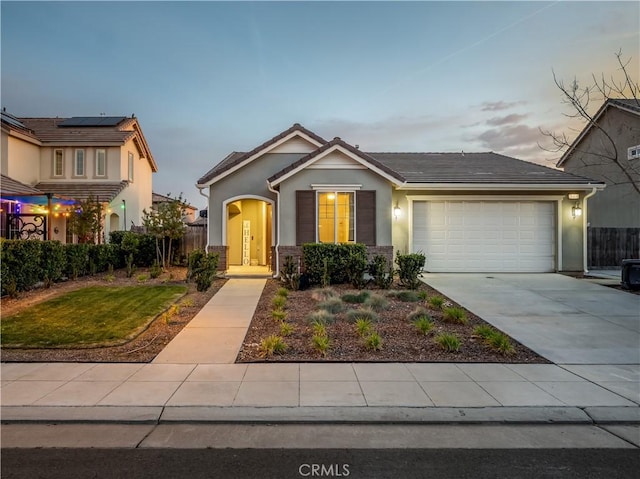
[467,212]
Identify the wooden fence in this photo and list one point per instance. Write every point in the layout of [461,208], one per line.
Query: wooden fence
[194,238]
[607,247]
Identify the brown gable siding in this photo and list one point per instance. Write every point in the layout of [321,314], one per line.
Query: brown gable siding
[366,217]
[305,217]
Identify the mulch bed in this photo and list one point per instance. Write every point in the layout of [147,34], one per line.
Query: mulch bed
[142,349]
[401,340]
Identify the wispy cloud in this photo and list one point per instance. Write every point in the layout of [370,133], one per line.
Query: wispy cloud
[505,120]
[498,105]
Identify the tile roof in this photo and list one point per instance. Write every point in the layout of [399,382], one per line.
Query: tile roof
[158,198]
[236,158]
[103,191]
[630,103]
[11,187]
[47,130]
[472,168]
[336,141]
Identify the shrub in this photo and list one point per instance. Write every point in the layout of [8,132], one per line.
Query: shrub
[353,315]
[320,316]
[359,298]
[202,267]
[448,342]
[272,345]
[404,296]
[373,342]
[410,269]
[330,263]
[286,329]
[130,265]
[319,329]
[155,270]
[52,261]
[290,274]
[363,326]
[377,302]
[435,302]
[279,315]
[20,264]
[187,303]
[417,313]
[356,266]
[324,294]
[77,260]
[321,344]
[423,324]
[279,302]
[142,278]
[500,342]
[381,271]
[332,305]
[455,315]
[284,292]
[484,331]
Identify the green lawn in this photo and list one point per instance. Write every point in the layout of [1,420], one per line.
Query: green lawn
[95,315]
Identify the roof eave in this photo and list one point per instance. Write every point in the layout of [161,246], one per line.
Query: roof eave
[501,186]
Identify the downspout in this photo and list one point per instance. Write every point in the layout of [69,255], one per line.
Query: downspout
[206,248]
[277,193]
[585,251]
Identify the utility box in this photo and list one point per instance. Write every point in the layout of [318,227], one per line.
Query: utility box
[631,273]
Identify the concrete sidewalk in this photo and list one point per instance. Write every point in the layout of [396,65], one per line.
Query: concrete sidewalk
[195,379]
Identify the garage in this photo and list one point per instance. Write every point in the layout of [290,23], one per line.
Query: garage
[485,236]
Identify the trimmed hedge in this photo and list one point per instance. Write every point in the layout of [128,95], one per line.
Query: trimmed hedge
[142,245]
[25,263]
[330,263]
[410,269]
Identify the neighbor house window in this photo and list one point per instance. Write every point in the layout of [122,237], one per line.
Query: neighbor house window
[58,163]
[633,152]
[79,167]
[101,162]
[336,216]
[130,166]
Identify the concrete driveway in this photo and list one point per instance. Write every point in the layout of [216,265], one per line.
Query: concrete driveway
[566,320]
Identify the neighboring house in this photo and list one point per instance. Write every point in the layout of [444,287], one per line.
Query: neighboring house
[467,212]
[608,150]
[189,212]
[65,160]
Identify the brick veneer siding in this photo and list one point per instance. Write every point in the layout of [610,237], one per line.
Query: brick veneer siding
[296,253]
[222,258]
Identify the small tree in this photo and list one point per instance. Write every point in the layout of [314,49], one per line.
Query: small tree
[86,220]
[165,221]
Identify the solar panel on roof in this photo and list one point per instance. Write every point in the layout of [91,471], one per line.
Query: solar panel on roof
[12,121]
[77,121]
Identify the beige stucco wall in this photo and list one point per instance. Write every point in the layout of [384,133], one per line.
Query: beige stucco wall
[22,160]
[113,173]
[138,195]
[618,206]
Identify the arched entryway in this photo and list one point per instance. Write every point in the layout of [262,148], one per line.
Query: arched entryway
[249,233]
[114,222]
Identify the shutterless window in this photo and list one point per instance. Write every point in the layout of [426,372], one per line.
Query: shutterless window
[336,214]
[633,152]
[130,166]
[79,163]
[58,163]
[101,162]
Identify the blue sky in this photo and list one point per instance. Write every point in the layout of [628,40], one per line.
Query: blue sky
[208,78]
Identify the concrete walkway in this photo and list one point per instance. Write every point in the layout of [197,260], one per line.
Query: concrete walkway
[216,333]
[195,379]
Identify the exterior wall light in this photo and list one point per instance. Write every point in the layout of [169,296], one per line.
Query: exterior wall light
[396,211]
[576,211]
[573,196]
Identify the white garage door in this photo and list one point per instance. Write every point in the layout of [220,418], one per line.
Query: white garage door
[485,236]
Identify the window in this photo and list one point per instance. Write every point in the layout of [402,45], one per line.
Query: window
[78,169]
[58,163]
[633,152]
[101,162]
[336,214]
[130,166]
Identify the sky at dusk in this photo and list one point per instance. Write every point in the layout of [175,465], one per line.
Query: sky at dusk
[208,78]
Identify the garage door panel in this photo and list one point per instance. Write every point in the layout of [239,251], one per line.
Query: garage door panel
[485,236]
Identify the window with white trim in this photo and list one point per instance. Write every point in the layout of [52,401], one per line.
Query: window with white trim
[78,164]
[130,177]
[336,216]
[101,162]
[633,152]
[58,162]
